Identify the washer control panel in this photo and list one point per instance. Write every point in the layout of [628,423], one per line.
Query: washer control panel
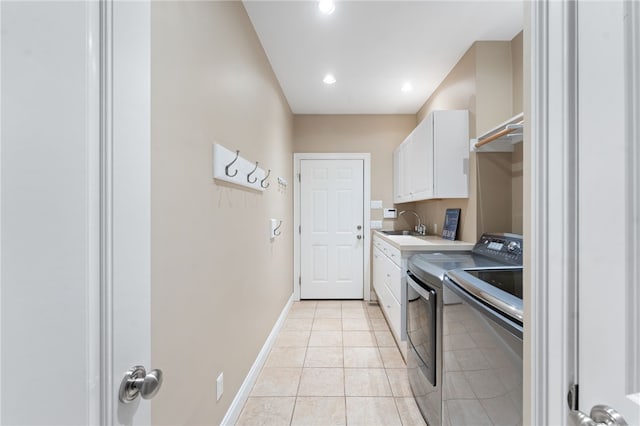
[504,247]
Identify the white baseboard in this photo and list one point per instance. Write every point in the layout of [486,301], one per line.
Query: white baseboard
[243,393]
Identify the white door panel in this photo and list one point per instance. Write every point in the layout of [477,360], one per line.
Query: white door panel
[49,225]
[331,200]
[605,367]
[74,210]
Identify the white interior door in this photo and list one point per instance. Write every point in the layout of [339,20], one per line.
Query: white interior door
[608,287]
[74,210]
[126,207]
[331,229]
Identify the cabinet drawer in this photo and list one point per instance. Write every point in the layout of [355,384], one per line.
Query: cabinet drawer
[390,251]
[393,279]
[391,309]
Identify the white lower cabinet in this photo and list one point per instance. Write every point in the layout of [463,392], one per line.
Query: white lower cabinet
[387,282]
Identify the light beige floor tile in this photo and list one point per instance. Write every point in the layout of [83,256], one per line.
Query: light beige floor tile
[467,412]
[385,338]
[304,304]
[286,357]
[292,338]
[277,382]
[374,312]
[358,338]
[456,386]
[392,358]
[329,304]
[371,411]
[322,382]
[355,324]
[326,338]
[399,382]
[324,357]
[502,410]
[350,304]
[327,324]
[362,358]
[354,313]
[366,382]
[485,383]
[320,411]
[301,313]
[379,324]
[409,412]
[263,411]
[297,324]
[328,313]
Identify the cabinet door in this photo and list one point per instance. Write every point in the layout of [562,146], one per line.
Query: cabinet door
[397,175]
[379,274]
[393,278]
[420,161]
[401,174]
[451,154]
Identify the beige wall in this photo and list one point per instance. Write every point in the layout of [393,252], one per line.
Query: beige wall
[376,134]
[218,282]
[517,184]
[457,91]
[517,46]
[488,82]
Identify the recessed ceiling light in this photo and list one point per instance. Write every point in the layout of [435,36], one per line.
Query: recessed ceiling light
[329,79]
[326,6]
[407,87]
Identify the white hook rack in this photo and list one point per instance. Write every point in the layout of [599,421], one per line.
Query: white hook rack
[275,225]
[230,167]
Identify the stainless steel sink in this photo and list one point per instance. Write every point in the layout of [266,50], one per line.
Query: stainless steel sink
[414,233]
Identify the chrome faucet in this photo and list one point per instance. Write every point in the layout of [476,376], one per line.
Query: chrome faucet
[420,228]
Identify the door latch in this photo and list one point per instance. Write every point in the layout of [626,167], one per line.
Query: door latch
[136,382]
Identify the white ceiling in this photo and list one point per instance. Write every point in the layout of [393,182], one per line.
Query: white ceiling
[372,48]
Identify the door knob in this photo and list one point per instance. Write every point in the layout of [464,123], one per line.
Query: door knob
[359,227]
[359,237]
[600,415]
[137,381]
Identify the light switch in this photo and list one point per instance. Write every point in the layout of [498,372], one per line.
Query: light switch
[376,204]
[376,224]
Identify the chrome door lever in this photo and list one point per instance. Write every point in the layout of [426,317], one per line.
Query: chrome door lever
[137,381]
[601,415]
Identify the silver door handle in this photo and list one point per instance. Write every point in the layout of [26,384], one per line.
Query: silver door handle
[137,381]
[359,237]
[600,415]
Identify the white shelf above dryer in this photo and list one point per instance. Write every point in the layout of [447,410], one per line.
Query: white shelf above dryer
[501,138]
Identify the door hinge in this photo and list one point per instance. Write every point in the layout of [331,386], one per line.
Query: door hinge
[572,397]
[299,177]
[299,280]
[299,229]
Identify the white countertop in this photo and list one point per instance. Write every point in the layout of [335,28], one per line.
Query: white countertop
[423,243]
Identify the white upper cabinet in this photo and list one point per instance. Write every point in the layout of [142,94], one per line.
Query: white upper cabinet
[433,161]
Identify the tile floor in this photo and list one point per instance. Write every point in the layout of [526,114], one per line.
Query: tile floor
[333,363]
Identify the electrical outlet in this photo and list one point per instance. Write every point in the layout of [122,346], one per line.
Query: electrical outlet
[219,386]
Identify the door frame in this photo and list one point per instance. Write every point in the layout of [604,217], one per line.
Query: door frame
[551,212]
[366,201]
